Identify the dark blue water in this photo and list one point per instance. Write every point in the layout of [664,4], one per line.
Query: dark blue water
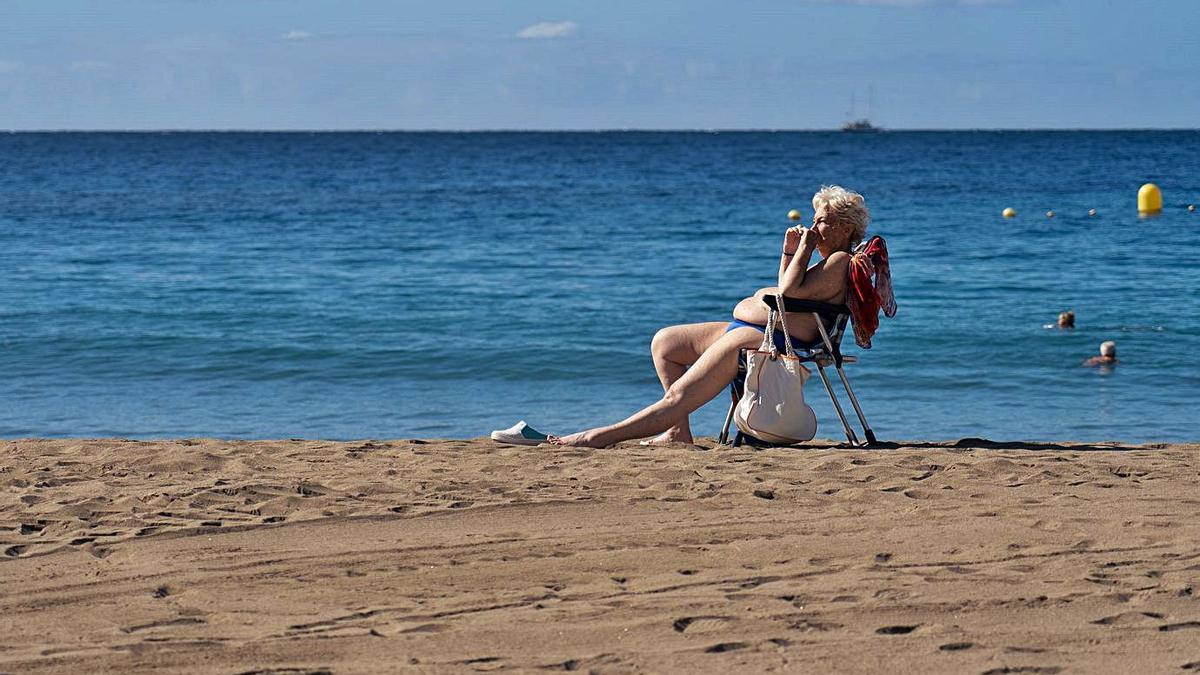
[402,285]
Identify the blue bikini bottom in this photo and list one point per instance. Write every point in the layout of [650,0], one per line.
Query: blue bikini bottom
[797,344]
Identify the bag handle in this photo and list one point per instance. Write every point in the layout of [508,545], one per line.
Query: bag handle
[780,315]
[787,342]
[768,343]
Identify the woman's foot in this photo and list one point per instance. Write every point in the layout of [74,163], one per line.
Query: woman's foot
[670,436]
[583,439]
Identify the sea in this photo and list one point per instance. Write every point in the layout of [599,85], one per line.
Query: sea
[442,285]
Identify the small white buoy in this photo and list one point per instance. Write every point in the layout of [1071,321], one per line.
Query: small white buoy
[1009,212]
[1191,208]
[1091,212]
[1049,214]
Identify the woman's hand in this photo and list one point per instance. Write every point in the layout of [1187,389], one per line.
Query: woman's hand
[810,239]
[800,237]
[792,238]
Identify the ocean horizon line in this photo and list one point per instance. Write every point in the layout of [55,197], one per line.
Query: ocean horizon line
[612,130]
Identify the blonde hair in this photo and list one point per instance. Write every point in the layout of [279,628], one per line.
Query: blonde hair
[844,207]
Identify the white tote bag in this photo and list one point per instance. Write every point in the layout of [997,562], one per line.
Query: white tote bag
[773,408]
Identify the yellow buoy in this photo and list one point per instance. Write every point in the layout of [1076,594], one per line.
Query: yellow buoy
[1091,212]
[794,214]
[1049,214]
[1149,199]
[1010,212]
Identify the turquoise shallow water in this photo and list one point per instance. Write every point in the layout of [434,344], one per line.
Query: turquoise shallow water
[403,285]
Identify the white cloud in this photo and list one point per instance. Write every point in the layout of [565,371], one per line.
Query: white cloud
[547,30]
[296,35]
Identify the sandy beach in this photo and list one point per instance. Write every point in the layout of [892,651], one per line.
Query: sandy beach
[212,556]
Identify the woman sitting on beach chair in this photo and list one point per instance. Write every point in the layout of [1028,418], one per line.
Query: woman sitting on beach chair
[697,361]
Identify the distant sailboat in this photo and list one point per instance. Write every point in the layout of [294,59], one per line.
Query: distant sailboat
[861,125]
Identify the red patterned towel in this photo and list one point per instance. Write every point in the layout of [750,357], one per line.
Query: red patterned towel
[870,290]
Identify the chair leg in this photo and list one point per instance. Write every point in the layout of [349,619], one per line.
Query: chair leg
[724,437]
[736,392]
[837,406]
[857,408]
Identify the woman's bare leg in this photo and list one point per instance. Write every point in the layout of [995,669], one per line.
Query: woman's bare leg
[711,373]
[674,349]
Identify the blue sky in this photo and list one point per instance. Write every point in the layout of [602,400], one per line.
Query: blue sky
[563,64]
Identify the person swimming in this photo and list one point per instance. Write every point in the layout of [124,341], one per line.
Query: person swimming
[1107,357]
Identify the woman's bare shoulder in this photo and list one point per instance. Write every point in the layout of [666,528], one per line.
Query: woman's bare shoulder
[836,260]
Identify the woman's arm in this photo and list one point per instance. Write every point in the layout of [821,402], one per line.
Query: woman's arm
[822,281]
[798,246]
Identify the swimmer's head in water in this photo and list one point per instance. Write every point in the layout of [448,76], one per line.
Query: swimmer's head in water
[1108,348]
[1066,319]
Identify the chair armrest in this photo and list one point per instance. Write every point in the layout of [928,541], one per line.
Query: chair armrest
[827,311]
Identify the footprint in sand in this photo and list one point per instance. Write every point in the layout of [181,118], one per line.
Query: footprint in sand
[1128,618]
[166,623]
[725,647]
[806,626]
[593,664]
[1046,525]
[1171,627]
[289,671]
[897,630]
[482,659]
[1030,669]
[700,624]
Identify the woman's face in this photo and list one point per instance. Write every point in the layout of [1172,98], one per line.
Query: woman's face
[830,233]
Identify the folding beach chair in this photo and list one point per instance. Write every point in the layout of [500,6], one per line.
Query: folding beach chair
[831,322]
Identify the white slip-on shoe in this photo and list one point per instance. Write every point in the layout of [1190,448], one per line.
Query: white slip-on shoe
[520,434]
